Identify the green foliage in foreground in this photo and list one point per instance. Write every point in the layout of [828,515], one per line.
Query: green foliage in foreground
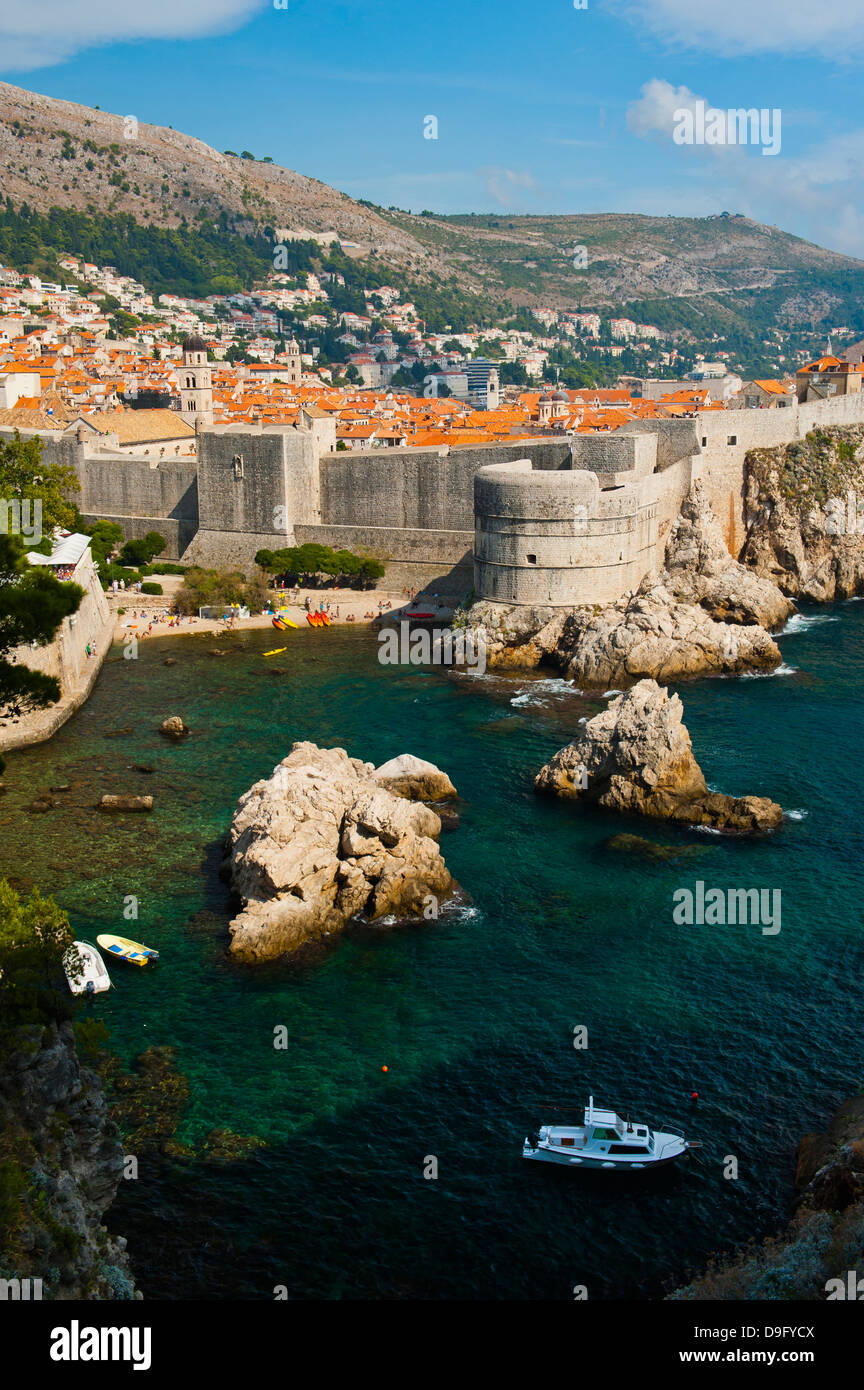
[34,933]
[26,478]
[310,562]
[33,604]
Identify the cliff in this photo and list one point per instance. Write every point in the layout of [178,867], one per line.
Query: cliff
[804,513]
[61,1162]
[824,1241]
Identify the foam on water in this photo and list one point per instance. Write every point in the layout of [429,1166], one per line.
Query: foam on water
[802,622]
[784,669]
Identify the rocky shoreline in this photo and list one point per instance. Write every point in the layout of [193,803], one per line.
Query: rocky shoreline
[327,839]
[824,1240]
[703,614]
[63,1162]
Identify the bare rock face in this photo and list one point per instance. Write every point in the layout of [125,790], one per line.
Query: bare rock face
[415,779]
[703,614]
[700,570]
[636,757]
[320,842]
[804,509]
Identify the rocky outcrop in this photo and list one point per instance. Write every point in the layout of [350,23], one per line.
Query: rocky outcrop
[815,1256]
[829,1168]
[415,779]
[174,728]
[321,842]
[62,1163]
[804,512]
[699,570]
[703,614]
[636,757]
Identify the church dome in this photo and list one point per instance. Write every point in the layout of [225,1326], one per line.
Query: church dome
[194,344]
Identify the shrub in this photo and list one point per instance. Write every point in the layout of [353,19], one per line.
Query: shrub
[151,589]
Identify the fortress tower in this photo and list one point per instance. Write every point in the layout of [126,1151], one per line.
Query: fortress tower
[196,393]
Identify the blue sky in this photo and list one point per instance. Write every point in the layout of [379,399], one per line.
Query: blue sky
[540,108]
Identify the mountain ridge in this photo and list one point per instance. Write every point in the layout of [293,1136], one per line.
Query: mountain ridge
[725,272]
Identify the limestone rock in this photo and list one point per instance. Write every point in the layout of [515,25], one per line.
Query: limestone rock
[320,842]
[700,570]
[57,1131]
[126,803]
[636,757]
[805,522]
[174,728]
[415,779]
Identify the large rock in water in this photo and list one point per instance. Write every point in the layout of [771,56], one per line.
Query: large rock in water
[320,842]
[703,614]
[415,779]
[636,757]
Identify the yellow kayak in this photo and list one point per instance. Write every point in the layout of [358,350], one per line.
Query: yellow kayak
[286,621]
[277,651]
[132,951]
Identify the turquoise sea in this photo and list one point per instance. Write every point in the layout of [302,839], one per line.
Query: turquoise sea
[472,1016]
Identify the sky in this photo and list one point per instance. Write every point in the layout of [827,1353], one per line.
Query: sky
[547,107]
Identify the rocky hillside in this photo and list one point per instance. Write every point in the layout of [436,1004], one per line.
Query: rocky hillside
[58,153]
[61,1162]
[725,272]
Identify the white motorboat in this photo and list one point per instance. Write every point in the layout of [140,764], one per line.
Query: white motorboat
[85,969]
[605,1141]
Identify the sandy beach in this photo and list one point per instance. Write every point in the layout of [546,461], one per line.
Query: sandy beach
[149,615]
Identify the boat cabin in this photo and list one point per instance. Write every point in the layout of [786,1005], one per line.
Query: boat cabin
[603,1132]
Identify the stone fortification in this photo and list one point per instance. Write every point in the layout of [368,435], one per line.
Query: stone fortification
[594,536]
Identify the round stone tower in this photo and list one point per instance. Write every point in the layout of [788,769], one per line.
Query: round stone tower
[538,538]
[196,385]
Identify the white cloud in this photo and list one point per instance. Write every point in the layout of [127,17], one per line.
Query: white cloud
[820,192]
[44,32]
[501,184]
[734,27]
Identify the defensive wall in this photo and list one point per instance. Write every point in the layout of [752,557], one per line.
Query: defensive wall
[421,511]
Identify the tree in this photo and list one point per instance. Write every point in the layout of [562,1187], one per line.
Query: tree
[34,935]
[33,604]
[26,478]
[104,536]
[315,564]
[142,550]
[204,588]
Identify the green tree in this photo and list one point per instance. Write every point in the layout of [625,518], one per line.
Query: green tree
[26,477]
[34,935]
[104,536]
[33,604]
[142,550]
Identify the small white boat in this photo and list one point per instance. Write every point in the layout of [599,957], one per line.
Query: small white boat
[85,969]
[605,1141]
